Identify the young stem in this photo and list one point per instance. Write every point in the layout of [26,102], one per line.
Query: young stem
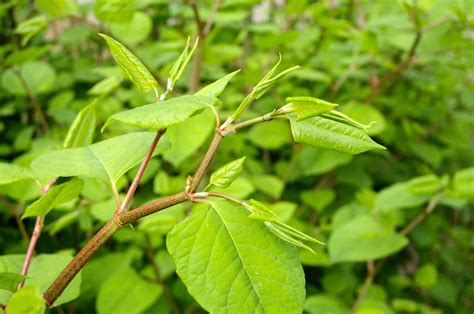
[84,255]
[31,249]
[141,170]
[227,197]
[200,172]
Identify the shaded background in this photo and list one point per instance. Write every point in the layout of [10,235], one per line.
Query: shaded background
[406,64]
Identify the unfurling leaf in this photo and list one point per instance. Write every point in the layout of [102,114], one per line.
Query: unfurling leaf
[306,107]
[343,118]
[169,112]
[220,242]
[180,65]
[326,133]
[226,174]
[57,195]
[82,129]
[285,232]
[132,66]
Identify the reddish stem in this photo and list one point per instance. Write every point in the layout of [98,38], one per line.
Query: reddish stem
[31,249]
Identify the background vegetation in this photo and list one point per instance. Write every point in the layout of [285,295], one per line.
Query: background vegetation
[398,223]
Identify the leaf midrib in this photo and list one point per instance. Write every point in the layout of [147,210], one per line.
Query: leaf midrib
[240,258]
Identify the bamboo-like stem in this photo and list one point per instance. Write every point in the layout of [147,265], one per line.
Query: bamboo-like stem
[141,170]
[200,172]
[84,255]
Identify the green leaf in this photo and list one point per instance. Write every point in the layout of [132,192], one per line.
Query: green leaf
[44,269]
[231,263]
[322,303]
[30,27]
[325,133]
[57,195]
[9,281]
[366,114]
[134,31]
[82,129]
[130,64]
[398,196]
[126,292]
[428,184]
[272,186]
[181,63]
[27,300]
[363,239]
[463,183]
[58,8]
[426,276]
[164,114]
[270,135]
[40,77]
[306,107]
[11,173]
[226,174]
[106,160]
[114,11]
[216,88]
[188,136]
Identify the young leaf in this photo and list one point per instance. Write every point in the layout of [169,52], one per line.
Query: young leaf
[226,174]
[325,133]
[343,118]
[180,65]
[219,243]
[306,107]
[167,113]
[135,69]
[106,160]
[216,88]
[9,281]
[287,233]
[82,129]
[57,195]
[27,300]
[10,173]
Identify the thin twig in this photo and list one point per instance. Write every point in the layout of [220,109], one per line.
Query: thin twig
[210,21]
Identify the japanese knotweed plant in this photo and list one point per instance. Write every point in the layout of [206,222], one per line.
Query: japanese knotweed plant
[233,255]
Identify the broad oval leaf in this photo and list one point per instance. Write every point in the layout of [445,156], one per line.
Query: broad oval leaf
[463,183]
[10,173]
[363,239]
[57,195]
[226,174]
[82,129]
[216,88]
[105,160]
[164,114]
[325,133]
[135,69]
[398,196]
[428,184]
[233,264]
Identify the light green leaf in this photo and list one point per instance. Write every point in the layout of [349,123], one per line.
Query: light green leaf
[134,31]
[106,160]
[126,292]
[306,107]
[226,174]
[40,77]
[27,300]
[114,11]
[164,114]
[135,69]
[188,136]
[241,188]
[82,129]
[324,304]
[463,183]
[398,196]
[426,276]
[428,184]
[325,133]
[366,114]
[270,135]
[57,195]
[363,239]
[181,63]
[44,269]
[10,173]
[270,185]
[58,8]
[9,281]
[106,85]
[30,27]
[216,88]
[231,263]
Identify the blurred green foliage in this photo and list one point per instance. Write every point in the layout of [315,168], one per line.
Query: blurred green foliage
[406,64]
